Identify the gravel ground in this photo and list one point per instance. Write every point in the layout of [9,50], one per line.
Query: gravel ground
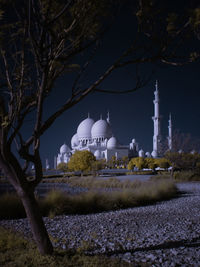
[164,234]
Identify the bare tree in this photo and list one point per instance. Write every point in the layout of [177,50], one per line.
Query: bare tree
[40,40]
[184,142]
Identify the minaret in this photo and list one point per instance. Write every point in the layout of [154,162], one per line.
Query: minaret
[156,122]
[47,165]
[55,162]
[170,133]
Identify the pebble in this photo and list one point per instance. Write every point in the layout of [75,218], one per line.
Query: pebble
[164,234]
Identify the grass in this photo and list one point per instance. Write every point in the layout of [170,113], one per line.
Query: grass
[96,183]
[186,176]
[90,202]
[128,194]
[181,176]
[15,251]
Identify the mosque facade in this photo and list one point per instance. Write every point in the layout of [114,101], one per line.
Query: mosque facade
[98,138]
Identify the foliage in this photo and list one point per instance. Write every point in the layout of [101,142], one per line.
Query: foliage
[17,251]
[112,163]
[149,163]
[183,161]
[81,161]
[97,166]
[63,167]
[163,163]
[138,162]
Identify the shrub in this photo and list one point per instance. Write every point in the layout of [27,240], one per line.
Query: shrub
[163,163]
[62,166]
[97,165]
[151,163]
[183,161]
[138,162]
[81,161]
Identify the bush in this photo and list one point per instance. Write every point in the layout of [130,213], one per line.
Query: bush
[184,161]
[163,163]
[138,162]
[62,166]
[81,161]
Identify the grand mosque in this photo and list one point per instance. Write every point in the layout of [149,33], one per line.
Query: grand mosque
[99,138]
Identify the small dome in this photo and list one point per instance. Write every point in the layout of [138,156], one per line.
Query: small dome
[97,154]
[64,149]
[112,143]
[141,153]
[154,154]
[148,154]
[74,140]
[84,129]
[101,129]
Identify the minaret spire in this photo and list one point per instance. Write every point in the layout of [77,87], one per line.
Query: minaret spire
[170,133]
[156,121]
[108,116]
[156,85]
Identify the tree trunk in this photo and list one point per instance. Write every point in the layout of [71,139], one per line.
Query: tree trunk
[37,225]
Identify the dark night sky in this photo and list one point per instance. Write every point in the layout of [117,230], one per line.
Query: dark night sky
[130,114]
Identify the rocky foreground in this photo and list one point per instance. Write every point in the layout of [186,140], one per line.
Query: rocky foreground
[164,234]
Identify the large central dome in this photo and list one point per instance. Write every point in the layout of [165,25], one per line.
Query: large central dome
[101,129]
[84,129]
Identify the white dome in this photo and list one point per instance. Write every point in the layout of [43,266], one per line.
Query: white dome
[154,154]
[74,140]
[84,129]
[101,129]
[112,143]
[148,154]
[64,149]
[141,153]
[97,154]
